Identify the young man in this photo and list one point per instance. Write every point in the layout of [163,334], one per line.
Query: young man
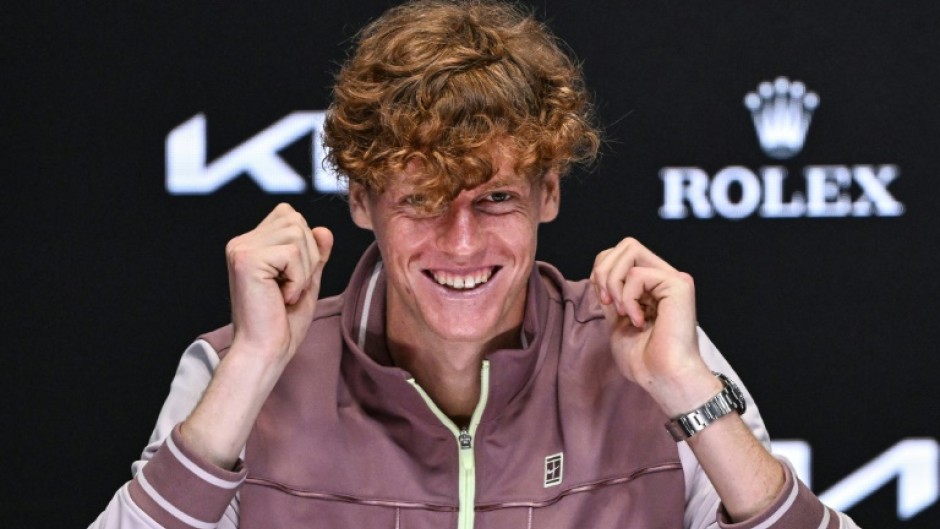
[457,382]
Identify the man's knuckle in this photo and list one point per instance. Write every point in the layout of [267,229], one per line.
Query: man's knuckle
[614,284]
[239,259]
[295,232]
[297,218]
[293,252]
[234,246]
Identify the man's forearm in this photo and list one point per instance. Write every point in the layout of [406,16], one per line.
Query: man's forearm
[745,475]
[219,426]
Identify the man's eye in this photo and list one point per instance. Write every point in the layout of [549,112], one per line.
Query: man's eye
[499,196]
[414,200]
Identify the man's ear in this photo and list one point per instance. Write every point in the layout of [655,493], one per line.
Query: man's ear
[551,196]
[359,206]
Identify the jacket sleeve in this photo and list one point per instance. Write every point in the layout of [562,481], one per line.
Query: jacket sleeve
[796,507]
[172,487]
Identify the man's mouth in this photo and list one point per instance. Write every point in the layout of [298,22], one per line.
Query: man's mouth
[462,281]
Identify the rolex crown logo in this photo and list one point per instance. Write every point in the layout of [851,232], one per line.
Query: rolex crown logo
[782,111]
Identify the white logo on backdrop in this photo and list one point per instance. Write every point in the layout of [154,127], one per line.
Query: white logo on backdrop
[781,113]
[914,464]
[189,173]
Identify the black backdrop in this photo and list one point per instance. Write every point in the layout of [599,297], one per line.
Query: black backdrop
[107,276]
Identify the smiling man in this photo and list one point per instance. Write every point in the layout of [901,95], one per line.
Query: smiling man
[457,382]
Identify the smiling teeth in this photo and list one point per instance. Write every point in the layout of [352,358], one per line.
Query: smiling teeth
[463,282]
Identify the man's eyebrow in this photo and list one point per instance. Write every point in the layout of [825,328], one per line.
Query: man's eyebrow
[503,181]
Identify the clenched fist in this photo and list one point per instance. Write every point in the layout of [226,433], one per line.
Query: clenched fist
[651,308]
[274,280]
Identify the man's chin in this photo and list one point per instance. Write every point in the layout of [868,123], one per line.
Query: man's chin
[465,330]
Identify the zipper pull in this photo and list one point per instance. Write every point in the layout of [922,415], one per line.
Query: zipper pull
[466,442]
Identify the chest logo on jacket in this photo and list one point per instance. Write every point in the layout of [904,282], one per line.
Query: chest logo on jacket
[554,465]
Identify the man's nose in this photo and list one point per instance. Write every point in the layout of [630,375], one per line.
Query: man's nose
[459,231]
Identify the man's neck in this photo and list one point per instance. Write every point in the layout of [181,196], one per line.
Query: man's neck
[448,371]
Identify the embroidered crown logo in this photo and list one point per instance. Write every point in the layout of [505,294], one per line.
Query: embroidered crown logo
[782,111]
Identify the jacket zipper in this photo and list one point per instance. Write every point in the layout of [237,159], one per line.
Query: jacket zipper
[466,480]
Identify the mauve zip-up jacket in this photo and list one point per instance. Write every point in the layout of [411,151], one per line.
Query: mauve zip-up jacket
[559,439]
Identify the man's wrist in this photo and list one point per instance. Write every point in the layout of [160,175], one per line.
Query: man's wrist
[682,394]
[728,400]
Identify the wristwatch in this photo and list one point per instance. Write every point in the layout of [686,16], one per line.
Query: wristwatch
[729,399]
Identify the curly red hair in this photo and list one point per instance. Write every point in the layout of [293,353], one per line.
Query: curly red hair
[441,82]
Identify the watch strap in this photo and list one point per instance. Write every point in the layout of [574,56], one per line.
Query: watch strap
[727,400]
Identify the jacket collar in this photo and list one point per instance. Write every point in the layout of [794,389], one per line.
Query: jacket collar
[363,329]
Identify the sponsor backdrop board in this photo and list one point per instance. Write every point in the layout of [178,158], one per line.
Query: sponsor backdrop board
[784,153]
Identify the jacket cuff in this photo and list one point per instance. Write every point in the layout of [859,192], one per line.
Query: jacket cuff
[180,490]
[796,507]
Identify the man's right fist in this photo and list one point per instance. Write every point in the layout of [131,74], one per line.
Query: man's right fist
[274,280]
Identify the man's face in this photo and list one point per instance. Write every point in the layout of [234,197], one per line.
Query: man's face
[459,275]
